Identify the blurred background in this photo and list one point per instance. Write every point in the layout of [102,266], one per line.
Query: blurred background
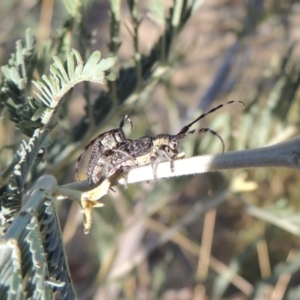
[225,235]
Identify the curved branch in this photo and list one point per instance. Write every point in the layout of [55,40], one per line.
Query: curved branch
[285,155]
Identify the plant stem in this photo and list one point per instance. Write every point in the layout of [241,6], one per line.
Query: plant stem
[285,155]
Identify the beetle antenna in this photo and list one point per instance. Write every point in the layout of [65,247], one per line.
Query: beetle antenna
[203,130]
[186,128]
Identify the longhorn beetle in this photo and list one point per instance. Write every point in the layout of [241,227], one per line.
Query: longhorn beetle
[145,150]
[104,145]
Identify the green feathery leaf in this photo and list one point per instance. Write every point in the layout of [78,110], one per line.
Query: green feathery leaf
[63,78]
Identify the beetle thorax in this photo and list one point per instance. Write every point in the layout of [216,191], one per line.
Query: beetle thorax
[161,140]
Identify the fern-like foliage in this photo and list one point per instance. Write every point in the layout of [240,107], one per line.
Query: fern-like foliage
[29,113]
[16,80]
[28,155]
[33,261]
[64,77]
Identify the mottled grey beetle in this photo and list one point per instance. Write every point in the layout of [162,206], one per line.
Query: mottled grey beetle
[145,150]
